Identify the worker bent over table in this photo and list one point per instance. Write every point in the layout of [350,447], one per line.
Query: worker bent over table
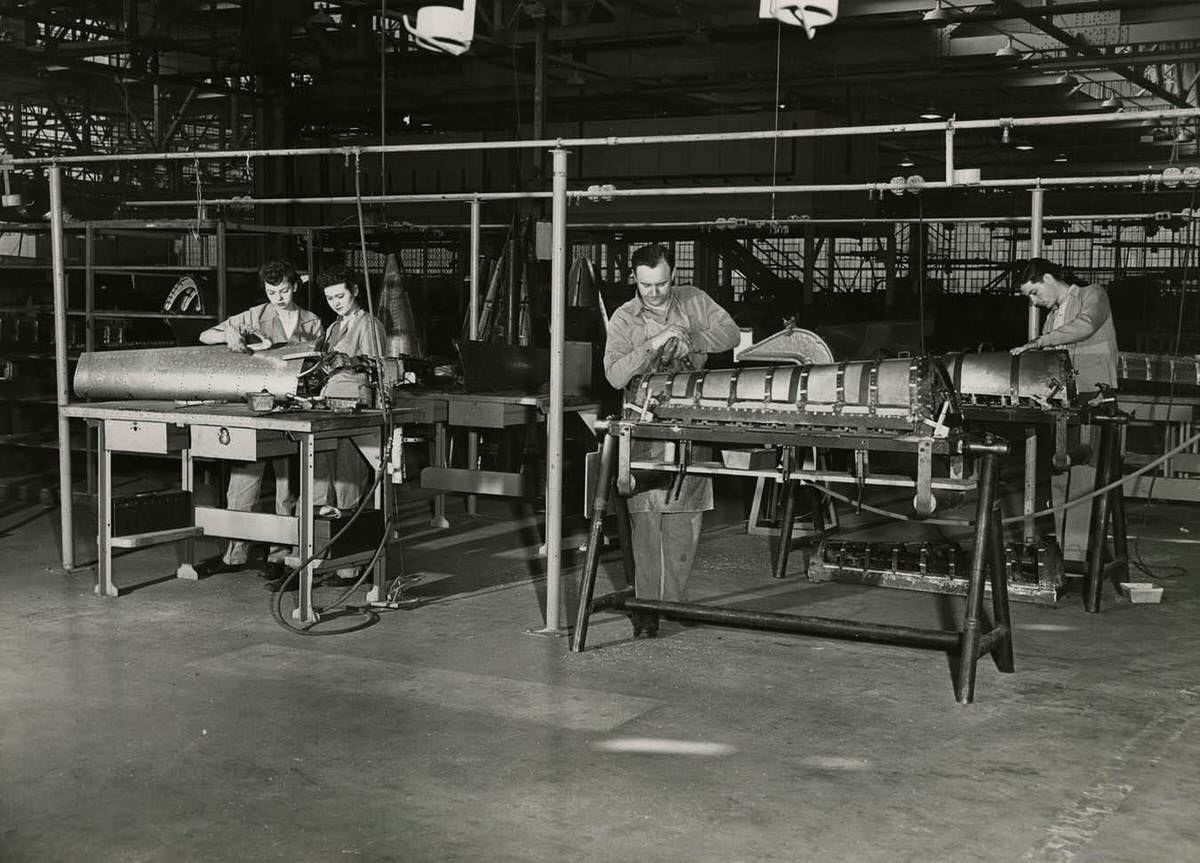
[664,328]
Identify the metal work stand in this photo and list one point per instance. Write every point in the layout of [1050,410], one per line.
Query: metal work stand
[1108,510]
[970,641]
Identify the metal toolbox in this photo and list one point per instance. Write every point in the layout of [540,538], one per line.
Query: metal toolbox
[151,511]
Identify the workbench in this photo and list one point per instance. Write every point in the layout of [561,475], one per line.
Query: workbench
[446,408]
[230,431]
[1171,419]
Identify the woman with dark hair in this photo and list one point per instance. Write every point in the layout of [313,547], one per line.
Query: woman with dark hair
[343,476]
[278,321]
[1080,321]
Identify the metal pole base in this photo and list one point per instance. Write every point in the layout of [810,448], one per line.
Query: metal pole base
[561,632]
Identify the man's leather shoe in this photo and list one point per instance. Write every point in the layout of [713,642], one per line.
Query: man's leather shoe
[216,565]
[645,624]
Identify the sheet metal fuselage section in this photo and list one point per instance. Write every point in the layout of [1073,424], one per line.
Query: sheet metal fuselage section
[891,405]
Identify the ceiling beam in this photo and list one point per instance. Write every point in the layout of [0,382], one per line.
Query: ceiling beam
[1045,23]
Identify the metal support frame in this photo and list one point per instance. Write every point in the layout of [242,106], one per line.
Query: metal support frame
[975,637]
[554,417]
[62,388]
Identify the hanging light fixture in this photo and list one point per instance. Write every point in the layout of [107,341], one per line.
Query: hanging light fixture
[443,29]
[1113,103]
[1060,157]
[906,161]
[1008,51]
[809,14]
[930,113]
[1066,79]
[937,15]
[1022,144]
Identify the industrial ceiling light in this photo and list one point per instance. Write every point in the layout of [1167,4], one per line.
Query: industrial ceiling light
[809,14]
[937,15]
[1022,144]
[930,113]
[1184,135]
[10,199]
[1008,51]
[1060,157]
[443,29]
[906,161]
[1113,103]
[1066,79]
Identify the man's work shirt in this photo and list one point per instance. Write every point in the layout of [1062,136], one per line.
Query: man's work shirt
[264,318]
[628,354]
[1082,324]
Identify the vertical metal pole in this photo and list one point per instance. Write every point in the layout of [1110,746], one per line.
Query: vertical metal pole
[554,418]
[1029,504]
[89,336]
[473,334]
[950,152]
[222,276]
[58,266]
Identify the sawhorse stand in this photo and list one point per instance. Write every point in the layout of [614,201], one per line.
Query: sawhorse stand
[1108,510]
[971,641]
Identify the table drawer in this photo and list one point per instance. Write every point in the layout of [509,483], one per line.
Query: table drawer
[488,414]
[147,437]
[238,444]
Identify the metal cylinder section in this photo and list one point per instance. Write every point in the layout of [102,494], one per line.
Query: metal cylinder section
[1032,379]
[210,372]
[885,394]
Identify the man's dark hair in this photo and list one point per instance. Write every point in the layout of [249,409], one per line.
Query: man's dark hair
[651,255]
[338,274]
[278,270]
[1035,268]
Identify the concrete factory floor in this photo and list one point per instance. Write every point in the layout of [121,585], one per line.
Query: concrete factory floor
[181,723]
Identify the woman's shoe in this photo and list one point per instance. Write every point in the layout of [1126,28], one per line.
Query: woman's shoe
[645,624]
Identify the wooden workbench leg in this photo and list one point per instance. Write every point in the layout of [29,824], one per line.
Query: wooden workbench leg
[104,582]
[1002,653]
[304,610]
[439,456]
[587,583]
[187,548]
[969,635]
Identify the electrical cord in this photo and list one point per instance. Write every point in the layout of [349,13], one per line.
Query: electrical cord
[338,604]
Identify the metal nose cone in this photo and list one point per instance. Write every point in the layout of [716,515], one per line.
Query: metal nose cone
[396,315]
[581,285]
